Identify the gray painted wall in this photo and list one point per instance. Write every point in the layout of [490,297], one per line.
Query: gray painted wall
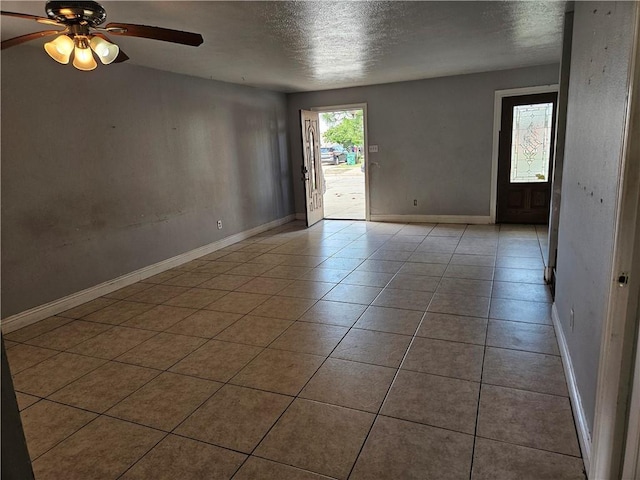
[107,172]
[435,138]
[600,65]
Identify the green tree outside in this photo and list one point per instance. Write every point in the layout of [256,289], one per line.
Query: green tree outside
[346,128]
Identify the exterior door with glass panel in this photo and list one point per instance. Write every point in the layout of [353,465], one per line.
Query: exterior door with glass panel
[525,159]
[312,167]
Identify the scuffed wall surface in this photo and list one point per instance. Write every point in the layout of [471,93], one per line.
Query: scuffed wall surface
[435,138]
[600,64]
[109,171]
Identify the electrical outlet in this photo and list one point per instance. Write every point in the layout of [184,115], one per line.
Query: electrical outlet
[219,224]
[415,202]
[571,319]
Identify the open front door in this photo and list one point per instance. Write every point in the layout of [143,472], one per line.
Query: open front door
[312,167]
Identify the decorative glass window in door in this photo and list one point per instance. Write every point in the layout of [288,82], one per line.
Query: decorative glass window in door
[312,160]
[531,143]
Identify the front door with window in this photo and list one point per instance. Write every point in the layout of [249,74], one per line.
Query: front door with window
[312,167]
[525,159]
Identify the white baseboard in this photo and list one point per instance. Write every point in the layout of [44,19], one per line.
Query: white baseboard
[41,312]
[473,219]
[584,437]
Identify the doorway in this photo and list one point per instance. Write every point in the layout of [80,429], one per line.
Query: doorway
[342,153]
[525,154]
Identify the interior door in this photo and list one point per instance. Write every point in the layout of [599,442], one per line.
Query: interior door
[525,158]
[312,167]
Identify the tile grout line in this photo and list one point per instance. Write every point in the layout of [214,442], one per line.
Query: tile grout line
[229,380]
[294,398]
[297,396]
[295,321]
[406,353]
[195,409]
[111,327]
[484,356]
[480,394]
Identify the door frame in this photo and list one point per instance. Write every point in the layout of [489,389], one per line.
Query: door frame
[612,424]
[363,107]
[497,121]
[631,457]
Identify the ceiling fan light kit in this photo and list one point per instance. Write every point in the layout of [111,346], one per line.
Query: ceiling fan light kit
[83,36]
[107,52]
[82,56]
[60,49]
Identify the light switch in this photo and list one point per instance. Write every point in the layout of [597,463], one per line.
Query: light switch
[373,148]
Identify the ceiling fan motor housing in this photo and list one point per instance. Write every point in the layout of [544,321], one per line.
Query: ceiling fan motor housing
[74,12]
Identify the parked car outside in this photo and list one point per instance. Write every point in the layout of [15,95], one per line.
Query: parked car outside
[334,154]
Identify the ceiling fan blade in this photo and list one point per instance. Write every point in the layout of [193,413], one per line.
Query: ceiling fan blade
[11,42]
[122,57]
[48,21]
[155,33]
[26,16]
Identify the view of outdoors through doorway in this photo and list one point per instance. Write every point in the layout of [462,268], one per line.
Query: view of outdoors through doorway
[343,156]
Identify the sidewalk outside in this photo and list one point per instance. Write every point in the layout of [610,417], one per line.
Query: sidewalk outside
[344,196]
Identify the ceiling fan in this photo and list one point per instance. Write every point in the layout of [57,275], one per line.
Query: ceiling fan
[81,33]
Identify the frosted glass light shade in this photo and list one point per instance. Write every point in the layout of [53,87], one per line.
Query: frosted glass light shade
[60,49]
[106,51]
[83,59]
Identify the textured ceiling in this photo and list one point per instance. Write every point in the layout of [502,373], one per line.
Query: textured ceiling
[304,46]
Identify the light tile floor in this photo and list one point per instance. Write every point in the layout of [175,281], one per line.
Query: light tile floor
[347,350]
